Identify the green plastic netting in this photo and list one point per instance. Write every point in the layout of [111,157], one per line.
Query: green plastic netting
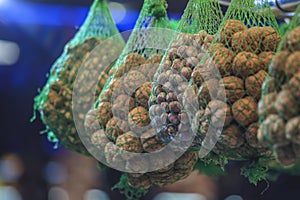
[279,108]
[54,101]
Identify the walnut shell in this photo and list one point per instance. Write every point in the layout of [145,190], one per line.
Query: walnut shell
[251,136]
[133,60]
[266,105]
[229,29]
[292,130]
[272,130]
[277,64]
[142,182]
[186,161]
[233,87]
[133,80]
[122,104]
[143,93]
[292,65]
[151,142]
[104,113]
[129,142]
[254,84]
[245,64]
[245,111]
[114,128]
[293,40]
[245,41]
[100,140]
[218,111]
[222,59]
[293,85]
[270,40]
[231,138]
[138,118]
[208,91]
[265,58]
[286,105]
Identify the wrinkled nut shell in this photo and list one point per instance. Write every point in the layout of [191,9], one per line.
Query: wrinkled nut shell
[254,84]
[270,40]
[251,136]
[233,88]
[292,130]
[104,113]
[279,60]
[293,40]
[208,91]
[272,129]
[245,64]
[283,104]
[292,65]
[141,182]
[138,117]
[245,111]
[143,93]
[219,113]
[231,137]
[151,142]
[99,139]
[129,142]
[132,81]
[265,58]
[229,29]
[245,41]
[294,85]
[113,129]
[222,59]
[266,105]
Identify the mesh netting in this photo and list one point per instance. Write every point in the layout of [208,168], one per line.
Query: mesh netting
[279,108]
[228,80]
[196,30]
[55,100]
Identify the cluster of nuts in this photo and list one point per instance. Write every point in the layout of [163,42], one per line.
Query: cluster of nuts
[279,107]
[55,100]
[167,113]
[125,128]
[228,85]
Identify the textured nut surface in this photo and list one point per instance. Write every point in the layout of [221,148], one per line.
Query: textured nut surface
[283,104]
[219,113]
[293,39]
[266,105]
[234,89]
[292,65]
[254,84]
[292,130]
[104,113]
[143,93]
[246,63]
[245,111]
[129,142]
[231,137]
[138,117]
[229,29]
[272,128]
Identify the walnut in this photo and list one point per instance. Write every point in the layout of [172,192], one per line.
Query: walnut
[100,140]
[122,105]
[162,179]
[219,113]
[292,130]
[186,161]
[266,105]
[142,182]
[270,39]
[230,138]
[233,87]
[245,41]
[202,74]
[114,128]
[272,130]
[129,142]
[104,113]
[293,39]
[293,85]
[270,85]
[222,59]
[151,142]
[143,93]
[245,111]
[285,155]
[138,118]
[277,64]
[251,136]
[229,29]
[214,47]
[283,104]
[292,65]
[133,60]
[208,91]
[245,64]
[132,80]
[265,58]
[254,84]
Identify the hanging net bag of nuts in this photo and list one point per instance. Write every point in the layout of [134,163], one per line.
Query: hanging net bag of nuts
[279,107]
[55,99]
[119,123]
[228,83]
[199,23]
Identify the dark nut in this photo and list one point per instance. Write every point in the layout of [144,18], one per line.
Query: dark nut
[208,91]
[141,182]
[245,111]
[251,136]
[292,65]
[151,142]
[231,137]
[114,128]
[285,155]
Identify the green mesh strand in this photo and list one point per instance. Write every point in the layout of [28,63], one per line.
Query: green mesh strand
[129,192]
[54,101]
[279,109]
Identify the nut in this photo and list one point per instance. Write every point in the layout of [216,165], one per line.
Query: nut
[100,140]
[142,182]
[133,60]
[266,105]
[231,138]
[222,59]
[151,142]
[285,155]
[245,64]
[104,113]
[138,118]
[143,93]
[283,104]
[129,142]
[265,58]
[292,65]
[208,91]
[293,85]
[114,128]
[245,111]
[229,29]
[279,60]
[254,84]
[219,113]
[133,80]
[293,40]
[186,161]
[270,40]
[233,88]
[245,41]
[251,136]
[122,105]
[292,130]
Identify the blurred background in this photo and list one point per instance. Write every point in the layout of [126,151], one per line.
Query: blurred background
[32,35]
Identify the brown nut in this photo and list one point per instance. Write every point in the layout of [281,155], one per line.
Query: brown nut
[266,105]
[245,64]
[186,161]
[272,130]
[114,128]
[131,81]
[222,59]
[285,155]
[293,40]
[151,142]
[129,142]
[233,89]
[219,113]
[265,58]
[292,130]
[277,64]
[293,85]
[104,113]
[231,138]
[286,105]
[251,136]
[292,65]
[133,60]
[143,93]
[122,104]
[245,41]
[270,39]
[202,74]
[229,29]
[254,84]
[100,140]
[208,91]
[142,182]
[138,118]
[245,111]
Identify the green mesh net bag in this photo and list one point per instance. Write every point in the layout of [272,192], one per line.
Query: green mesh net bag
[279,107]
[55,100]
